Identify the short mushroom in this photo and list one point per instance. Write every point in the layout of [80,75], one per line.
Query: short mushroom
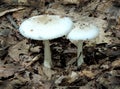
[46,27]
[80,32]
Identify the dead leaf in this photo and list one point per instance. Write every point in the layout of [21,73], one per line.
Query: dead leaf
[73,76]
[70,1]
[58,11]
[48,72]
[116,63]
[36,78]
[72,61]
[7,70]
[76,2]
[20,48]
[33,3]
[48,85]
[41,73]
[104,7]
[59,80]
[70,50]
[35,49]
[87,73]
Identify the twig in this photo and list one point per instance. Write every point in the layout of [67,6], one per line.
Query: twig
[11,20]
[10,10]
[33,60]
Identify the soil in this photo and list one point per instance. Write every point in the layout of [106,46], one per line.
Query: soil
[21,59]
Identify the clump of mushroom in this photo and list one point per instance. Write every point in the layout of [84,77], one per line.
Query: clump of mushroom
[82,31]
[46,27]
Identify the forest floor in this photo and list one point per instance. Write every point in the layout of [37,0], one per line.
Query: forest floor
[21,59]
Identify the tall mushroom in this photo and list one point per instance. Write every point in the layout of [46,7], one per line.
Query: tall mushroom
[46,27]
[82,31]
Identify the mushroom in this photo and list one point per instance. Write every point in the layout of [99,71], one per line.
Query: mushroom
[46,27]
[82,31]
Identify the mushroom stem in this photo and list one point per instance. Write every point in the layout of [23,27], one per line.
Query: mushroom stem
[47,54]
[79,53]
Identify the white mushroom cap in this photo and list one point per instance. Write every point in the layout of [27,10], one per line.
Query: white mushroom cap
[45,27]
[83,31]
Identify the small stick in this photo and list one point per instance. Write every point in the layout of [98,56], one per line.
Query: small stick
[11,20]
[10,10]
[33,60]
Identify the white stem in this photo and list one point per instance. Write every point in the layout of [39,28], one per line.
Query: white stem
[79,53]
[47,54]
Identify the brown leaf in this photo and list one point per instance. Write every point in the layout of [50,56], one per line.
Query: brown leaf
[36,78]
[33,3]
[87,73]
[59,80]
[7,70]
[116,63]
[70,1]
[73,76]
[48,85]
[35,49]
[48,72]
[41,73]
[20,48]
[76,2]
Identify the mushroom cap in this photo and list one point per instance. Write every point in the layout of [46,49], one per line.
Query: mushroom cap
[46,27]
[83,31]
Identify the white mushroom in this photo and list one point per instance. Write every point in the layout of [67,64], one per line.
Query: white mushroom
[46,27]
[80,32]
